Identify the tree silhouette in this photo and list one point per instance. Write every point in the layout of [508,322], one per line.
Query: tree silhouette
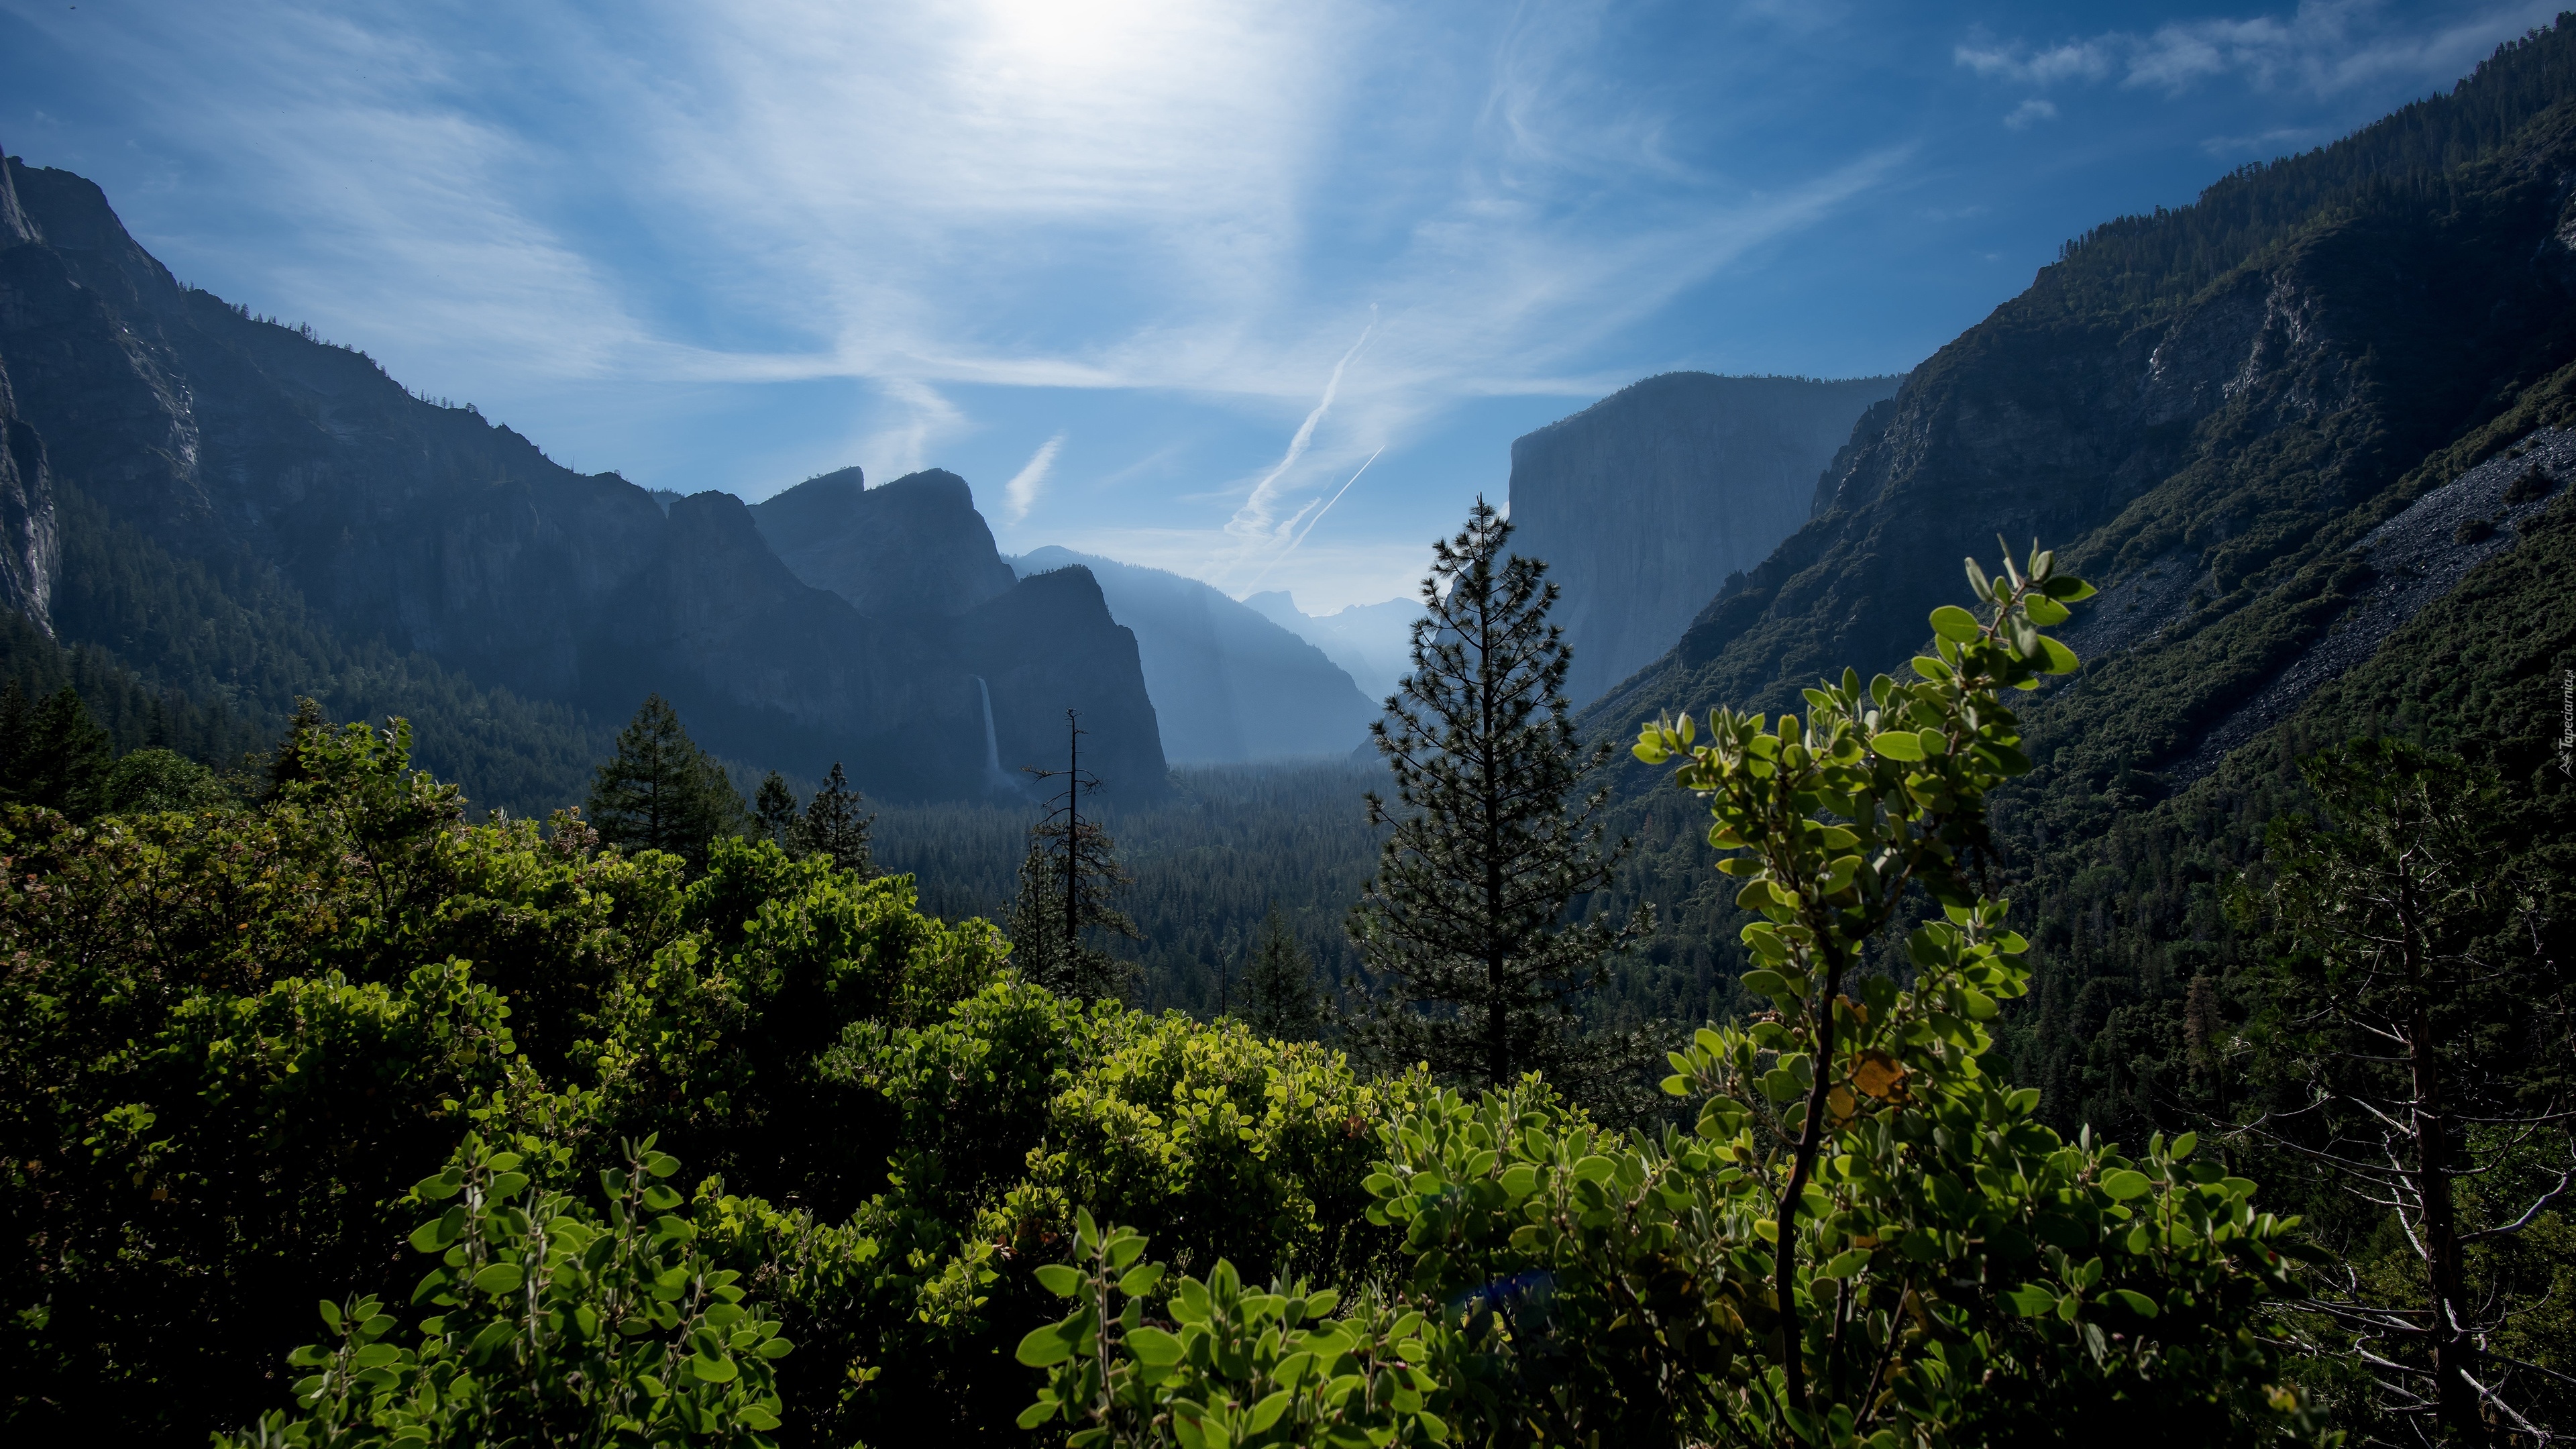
[661,792]
[1279,993]
[1469,920]
[833,826]
[1069,884]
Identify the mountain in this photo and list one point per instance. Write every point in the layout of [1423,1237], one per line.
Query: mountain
[1645,502]
[242,513]
[912,547]
[1373,643]
[2308,435]
[1228,685]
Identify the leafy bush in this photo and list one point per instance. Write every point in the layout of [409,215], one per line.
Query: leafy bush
[1864,1239]
[559,1325]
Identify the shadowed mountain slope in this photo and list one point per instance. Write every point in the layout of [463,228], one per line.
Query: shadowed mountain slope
[1229,685]
[330,534]
[2283,428]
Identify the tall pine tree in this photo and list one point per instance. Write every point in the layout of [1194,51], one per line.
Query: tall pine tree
[1279,996]
[773,811]
[834,826]
[661,792]
[1469,925]
[1069,885]
[51,752]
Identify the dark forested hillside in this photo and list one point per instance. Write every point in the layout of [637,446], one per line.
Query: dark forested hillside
[1210,862]
[2209,410]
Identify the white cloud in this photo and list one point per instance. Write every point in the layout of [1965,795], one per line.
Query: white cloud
[1021,493]
[929,202]
[2322,47]
[2074,60]
[2030,111]
[924,417]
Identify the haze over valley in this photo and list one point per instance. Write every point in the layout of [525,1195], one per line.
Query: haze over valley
[1827,725]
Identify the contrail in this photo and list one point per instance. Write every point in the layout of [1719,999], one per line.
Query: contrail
[1310,525]
[1253,518]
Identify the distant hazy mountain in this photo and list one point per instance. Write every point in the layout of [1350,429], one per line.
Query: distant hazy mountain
[237,512]
[1372,642]
[1229,686]
[1645,502]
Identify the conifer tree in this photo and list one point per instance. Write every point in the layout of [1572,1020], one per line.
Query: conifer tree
[661,792]
[833,826]
[1469,923]
[773,809]
[51,752]
[1280,999]
[1069,884]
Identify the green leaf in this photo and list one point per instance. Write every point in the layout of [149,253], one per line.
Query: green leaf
[2183,1145]
[1956,624]
[1037,1413]
[2031,1300]
[506,1186]
[1845,1264]
[2061,660]
[775,1348]
[1052,1344]
[441,1187]
[500,1278]
[1154,1346]
[718,1370]
[1058,1279]
[2068,588]
[1267,1412]
[1767,983]
[2045,611]
[2124,1184]
[1595,1169]
[661,1164]
[1902,745]
[331,1314]
[2139,1303]
[1140,1280]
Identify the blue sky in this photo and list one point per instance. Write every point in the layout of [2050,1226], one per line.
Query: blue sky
[1158,279]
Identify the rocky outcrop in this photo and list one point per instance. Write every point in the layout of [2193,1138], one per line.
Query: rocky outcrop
[1645,502]
[915,546]
[1229,686]
[1018,647]
[30,547]
[260,451]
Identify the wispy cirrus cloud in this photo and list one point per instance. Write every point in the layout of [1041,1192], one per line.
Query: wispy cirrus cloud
[2322,46]
[1021,493]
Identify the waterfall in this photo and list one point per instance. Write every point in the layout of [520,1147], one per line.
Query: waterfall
[994,779]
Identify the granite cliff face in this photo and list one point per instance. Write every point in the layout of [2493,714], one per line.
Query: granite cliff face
[259,453]
[1644,503]
[1229,685]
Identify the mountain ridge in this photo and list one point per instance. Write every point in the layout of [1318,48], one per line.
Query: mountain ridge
[302,472]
